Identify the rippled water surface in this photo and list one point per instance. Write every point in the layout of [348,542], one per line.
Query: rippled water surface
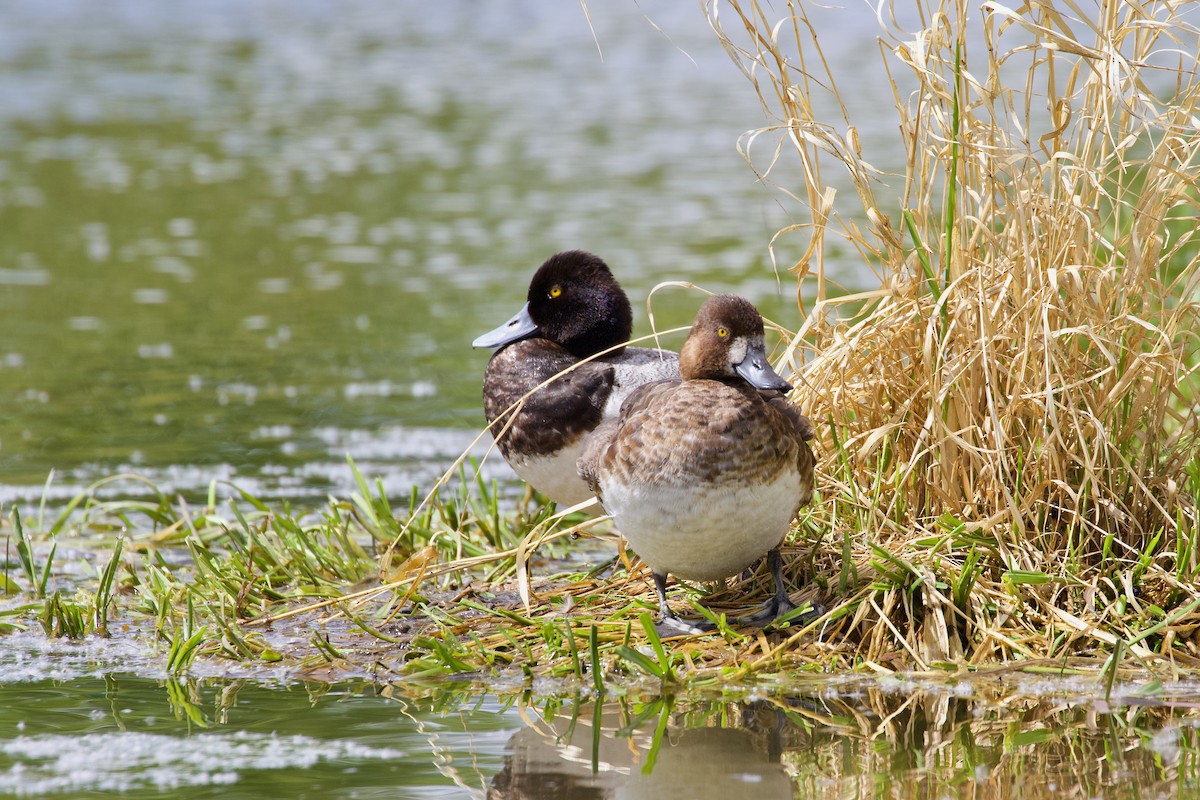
[242,240]
[91,730]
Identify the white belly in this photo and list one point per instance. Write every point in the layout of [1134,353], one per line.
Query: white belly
[704,534]
[555,476]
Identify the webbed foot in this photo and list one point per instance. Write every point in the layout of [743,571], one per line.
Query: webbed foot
[776,610]
[780,607]
[668,623]
[677,626]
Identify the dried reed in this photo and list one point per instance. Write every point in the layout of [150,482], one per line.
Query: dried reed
[1009,421]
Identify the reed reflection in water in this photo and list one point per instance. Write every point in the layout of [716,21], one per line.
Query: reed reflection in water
[975,740]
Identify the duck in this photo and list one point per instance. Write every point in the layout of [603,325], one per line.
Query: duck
[704,474]
[575,310]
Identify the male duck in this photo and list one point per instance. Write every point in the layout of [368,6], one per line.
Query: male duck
[575,309]
[704,475]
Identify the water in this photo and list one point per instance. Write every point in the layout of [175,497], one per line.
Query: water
[145,737]
[243,240]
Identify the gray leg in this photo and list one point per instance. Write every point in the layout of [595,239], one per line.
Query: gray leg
[660,586]
[780,604]
[669,624]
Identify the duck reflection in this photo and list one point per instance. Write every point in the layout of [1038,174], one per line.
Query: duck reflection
[982,739]
[627,753]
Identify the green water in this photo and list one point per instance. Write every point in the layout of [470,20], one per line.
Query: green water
[243,240]
[146,738]
[218,737]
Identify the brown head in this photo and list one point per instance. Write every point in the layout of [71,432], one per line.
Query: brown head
[726,344]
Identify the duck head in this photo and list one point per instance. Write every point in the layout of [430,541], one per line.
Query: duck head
[726,342]
[574,301]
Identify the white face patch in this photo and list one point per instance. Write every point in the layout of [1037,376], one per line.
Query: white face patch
[737,350]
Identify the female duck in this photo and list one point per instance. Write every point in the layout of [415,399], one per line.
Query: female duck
[575,309]
[704,475]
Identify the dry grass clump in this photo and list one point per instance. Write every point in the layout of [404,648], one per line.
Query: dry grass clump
[1009,421]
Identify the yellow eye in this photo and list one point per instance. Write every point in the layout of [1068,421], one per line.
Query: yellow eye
[555,292]
[722,331]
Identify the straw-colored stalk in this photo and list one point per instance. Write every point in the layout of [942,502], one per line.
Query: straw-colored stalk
[1007,421]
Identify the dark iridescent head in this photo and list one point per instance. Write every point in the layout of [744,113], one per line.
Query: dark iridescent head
[574,301]
[726,343]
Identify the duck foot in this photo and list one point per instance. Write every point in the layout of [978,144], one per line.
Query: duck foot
[677,626]
[775,611]
[668,624]
[781,606]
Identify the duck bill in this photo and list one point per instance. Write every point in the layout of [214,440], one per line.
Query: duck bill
[757,371]
[521,326]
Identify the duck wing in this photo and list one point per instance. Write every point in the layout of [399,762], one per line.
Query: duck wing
[628,424]
[566,408]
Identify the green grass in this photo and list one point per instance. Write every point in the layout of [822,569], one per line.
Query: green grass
[306,590]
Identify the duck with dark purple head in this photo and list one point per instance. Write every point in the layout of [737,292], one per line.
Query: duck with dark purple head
[575,310]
